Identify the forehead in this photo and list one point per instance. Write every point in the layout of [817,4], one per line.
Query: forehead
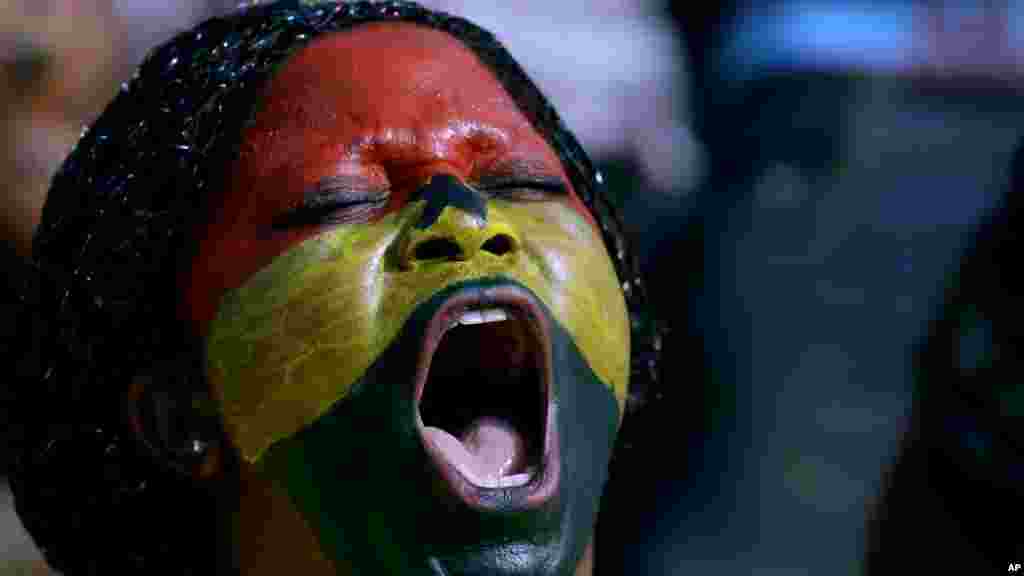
[390,103]
[412,92]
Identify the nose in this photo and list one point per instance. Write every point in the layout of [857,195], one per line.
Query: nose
[454,225]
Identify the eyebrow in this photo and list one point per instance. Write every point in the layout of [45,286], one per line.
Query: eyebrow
[518,172]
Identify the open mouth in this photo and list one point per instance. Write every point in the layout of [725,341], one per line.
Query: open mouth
[483,392]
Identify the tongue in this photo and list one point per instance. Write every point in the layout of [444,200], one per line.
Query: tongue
[491,453]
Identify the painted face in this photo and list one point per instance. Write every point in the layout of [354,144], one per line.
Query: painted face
[414,332]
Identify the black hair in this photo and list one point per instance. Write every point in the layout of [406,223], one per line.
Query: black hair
[115,230]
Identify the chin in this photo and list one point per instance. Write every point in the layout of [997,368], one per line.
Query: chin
[477,443]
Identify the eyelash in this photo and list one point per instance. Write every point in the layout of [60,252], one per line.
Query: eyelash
[356,208]
[526,191]
[353,213]
[352,210]
[521,194]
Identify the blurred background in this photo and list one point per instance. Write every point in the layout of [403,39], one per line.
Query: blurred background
[808,182]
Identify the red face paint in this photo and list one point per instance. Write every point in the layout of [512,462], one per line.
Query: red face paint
[383,107]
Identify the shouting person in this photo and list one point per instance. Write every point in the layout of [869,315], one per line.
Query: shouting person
[327,289]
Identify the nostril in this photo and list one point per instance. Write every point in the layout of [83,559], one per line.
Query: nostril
[437,248]
[499,244]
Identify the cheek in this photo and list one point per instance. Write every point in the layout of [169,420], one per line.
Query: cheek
[291,341]
[226,259]
[565,244]
[583,291]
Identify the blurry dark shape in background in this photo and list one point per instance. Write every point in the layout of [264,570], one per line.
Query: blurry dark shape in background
[57,68]
[953,500]
[852,154]
[61,61]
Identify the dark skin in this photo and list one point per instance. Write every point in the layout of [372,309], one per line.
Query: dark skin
[326,204]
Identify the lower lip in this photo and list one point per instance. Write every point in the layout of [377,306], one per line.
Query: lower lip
[544,485]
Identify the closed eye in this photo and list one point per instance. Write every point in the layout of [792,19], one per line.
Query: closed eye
[334,201]
[525,189]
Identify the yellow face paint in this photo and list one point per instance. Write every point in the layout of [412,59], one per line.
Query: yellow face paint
[291,341]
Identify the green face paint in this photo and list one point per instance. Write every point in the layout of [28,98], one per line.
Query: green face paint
[314,329]
[375,502]
[293,339]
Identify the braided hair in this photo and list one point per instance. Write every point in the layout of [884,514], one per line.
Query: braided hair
[114,234]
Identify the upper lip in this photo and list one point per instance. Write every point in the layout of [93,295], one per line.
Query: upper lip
[544,483]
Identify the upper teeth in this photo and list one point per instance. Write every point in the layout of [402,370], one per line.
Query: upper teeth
[482,316]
